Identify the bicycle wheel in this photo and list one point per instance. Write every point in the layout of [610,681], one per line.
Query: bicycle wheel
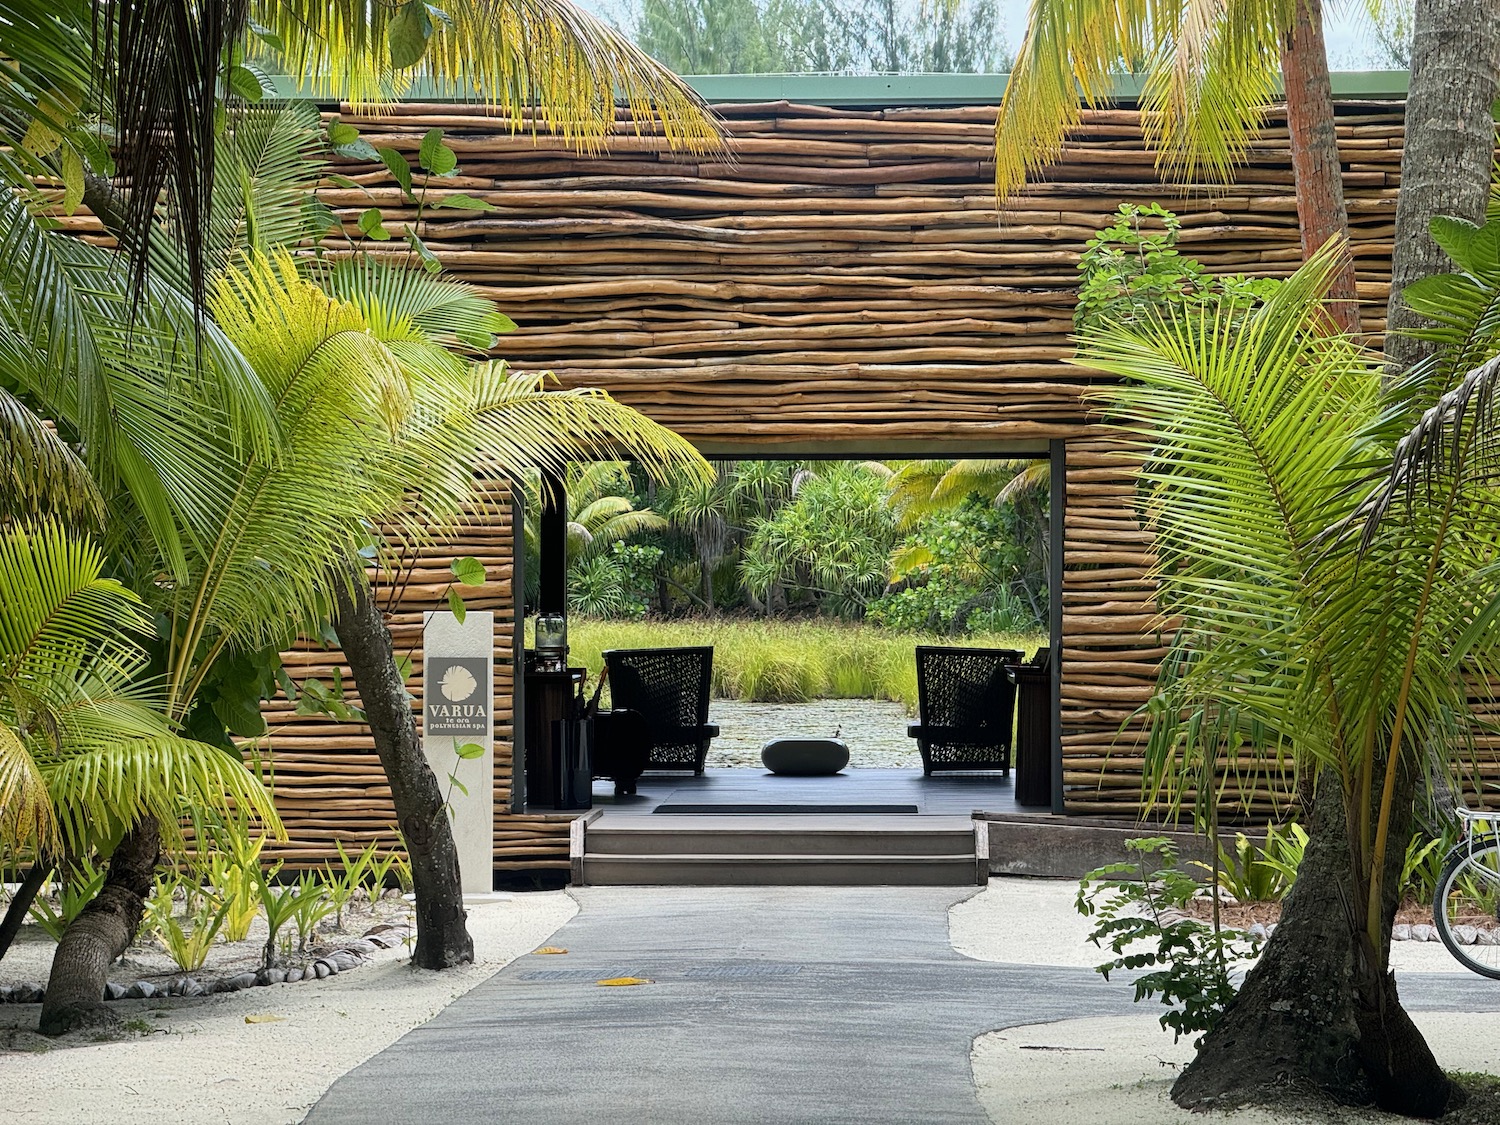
[1468,899]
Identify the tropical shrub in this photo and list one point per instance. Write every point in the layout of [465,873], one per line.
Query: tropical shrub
[1140,913]
[1132,268]
[617,583]
[1423,862]
[80,883]
[973,567]
[187,941]
[1248,873]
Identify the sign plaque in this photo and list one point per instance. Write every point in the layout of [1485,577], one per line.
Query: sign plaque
[458,712]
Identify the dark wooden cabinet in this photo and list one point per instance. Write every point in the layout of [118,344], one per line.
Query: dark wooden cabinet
[1033,734]
[553,740]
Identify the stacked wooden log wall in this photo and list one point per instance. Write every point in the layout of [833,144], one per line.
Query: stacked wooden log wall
[328,782]
[841,276]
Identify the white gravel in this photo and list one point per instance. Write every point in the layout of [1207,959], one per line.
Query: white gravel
[202,1062]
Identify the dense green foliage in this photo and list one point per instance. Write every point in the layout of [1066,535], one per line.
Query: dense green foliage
[1133,267]
[978,568]
[935,546]
[820,36]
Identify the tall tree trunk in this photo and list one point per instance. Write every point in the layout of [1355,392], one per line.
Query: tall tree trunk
[20,903]
[102,931]
[1450,146]
[1316,170]
[1316,1012]
[1315,1015]
[442,937]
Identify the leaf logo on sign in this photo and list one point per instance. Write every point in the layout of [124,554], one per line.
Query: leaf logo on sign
[458,684]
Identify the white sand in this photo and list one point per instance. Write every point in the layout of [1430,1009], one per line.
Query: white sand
[204,1063]
[1117,1070]
[1024,921]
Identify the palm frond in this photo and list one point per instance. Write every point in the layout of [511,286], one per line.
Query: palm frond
[267,164]
[83,749]
[162,60]
[521,423]
[39,472]
[119,782]
[1207,94]
[146,394]
[26,815]
[1071,53]
[1254,422]
[1454,442]
[396,300]
[1033,478]
[1210,67]
[539,63]
[971,475]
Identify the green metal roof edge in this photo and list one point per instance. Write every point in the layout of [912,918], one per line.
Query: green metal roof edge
[956,89]
[898,89]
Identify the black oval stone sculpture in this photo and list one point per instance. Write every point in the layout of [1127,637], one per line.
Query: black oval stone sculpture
[805,757]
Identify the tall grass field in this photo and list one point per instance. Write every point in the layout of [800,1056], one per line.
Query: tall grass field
[786,661]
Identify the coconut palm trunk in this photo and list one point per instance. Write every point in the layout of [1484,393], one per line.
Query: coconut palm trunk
[1450,146]
[443,939]
[1316,171]
[101,932]
[1314,1013]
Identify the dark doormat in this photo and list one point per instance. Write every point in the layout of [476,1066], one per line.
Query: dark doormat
[700,808]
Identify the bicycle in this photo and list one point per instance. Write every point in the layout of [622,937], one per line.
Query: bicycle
[1467,899]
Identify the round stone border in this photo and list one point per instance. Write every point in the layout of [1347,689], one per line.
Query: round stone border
[340,960]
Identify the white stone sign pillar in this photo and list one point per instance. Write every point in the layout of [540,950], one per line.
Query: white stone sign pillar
[458,709]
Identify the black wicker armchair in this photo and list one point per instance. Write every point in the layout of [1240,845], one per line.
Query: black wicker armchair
[668,687]
[966,708]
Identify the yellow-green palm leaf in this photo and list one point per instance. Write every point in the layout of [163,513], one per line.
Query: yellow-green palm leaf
[1209,73]
[84,749]
[540,63]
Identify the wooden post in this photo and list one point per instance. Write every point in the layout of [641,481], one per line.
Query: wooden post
[553,536]
[517,803]
[1057,505]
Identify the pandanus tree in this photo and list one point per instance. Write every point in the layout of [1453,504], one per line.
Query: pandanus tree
[1328,549]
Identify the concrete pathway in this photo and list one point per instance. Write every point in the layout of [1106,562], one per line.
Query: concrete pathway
[770,1005]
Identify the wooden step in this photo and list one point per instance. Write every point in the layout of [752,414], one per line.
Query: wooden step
[770,841]
[779,870]
[779,850]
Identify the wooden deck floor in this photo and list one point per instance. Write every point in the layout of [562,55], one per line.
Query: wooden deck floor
[945,795]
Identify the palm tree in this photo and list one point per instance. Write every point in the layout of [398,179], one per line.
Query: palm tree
[598,509]
[156,73]
[1209,77]
[921,488]
[1324,618]
[85,749]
